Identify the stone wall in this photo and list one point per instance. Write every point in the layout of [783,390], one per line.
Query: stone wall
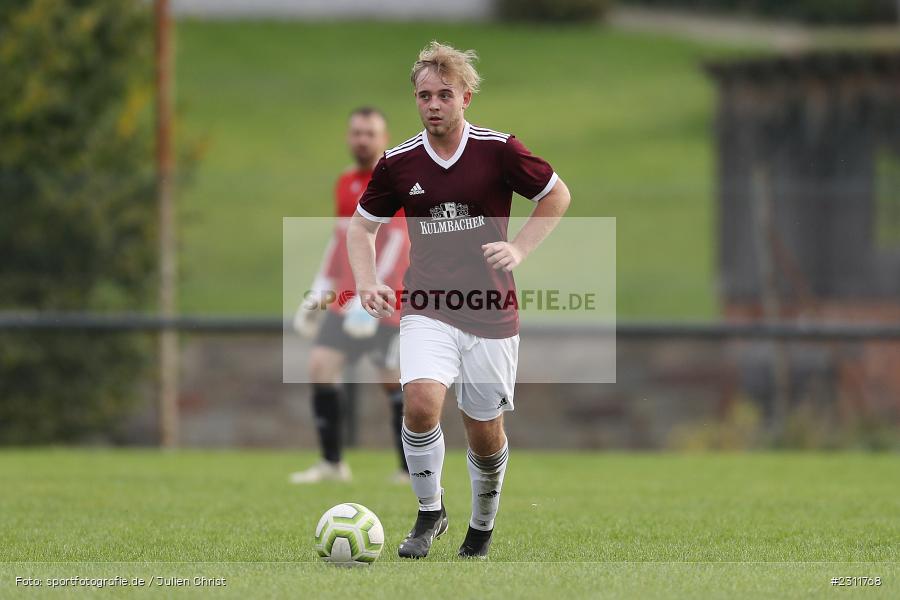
[233,395]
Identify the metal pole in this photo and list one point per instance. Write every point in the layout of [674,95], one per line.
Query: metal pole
[764,228]
[168,269]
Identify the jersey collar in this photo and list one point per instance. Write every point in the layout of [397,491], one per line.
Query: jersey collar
[459,150]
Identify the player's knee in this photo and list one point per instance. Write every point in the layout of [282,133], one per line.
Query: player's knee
[418,415]
[485,437]
[421,409]
[319,373]
[323,367]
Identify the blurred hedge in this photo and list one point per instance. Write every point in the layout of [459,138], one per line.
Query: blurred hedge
[811,11]
[77,225]
[554,11]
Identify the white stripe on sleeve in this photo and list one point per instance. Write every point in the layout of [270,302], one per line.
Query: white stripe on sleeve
[547,188]
[370,216]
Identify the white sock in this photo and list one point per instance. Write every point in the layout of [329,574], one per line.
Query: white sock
[486,473]
[425,458]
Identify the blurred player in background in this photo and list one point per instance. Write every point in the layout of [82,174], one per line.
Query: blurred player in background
[347,332]
[455,182]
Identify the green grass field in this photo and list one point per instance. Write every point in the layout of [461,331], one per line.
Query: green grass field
[626,119]
[582,525]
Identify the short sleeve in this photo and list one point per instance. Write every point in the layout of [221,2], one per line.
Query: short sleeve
[379,202]
[527,174]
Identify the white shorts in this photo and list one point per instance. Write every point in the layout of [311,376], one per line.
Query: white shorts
[482,369]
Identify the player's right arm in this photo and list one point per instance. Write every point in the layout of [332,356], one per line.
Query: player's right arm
[377,205]
[377,298]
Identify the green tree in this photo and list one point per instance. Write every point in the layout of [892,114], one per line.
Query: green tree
[77,213]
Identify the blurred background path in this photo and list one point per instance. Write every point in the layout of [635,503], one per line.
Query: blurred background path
[739,30]
[743,31]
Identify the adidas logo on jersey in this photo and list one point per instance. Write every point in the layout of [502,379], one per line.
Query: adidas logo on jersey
[416,190]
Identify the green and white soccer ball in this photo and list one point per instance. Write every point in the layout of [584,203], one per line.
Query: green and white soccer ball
[349,534]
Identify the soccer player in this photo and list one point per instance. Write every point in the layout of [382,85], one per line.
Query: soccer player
[348,332]
[455,181]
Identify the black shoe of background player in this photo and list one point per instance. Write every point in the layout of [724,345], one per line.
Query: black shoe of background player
[430,524]
[476,544]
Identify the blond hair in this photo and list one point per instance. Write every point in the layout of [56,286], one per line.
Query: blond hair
[450,63]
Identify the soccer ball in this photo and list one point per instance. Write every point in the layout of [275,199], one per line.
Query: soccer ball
[349,534]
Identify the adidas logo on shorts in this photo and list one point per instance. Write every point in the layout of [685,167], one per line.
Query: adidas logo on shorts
[503,402]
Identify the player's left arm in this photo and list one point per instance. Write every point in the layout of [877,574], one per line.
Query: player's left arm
[544,219]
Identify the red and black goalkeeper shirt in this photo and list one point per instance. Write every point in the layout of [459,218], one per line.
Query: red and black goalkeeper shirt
[391,245]
[452,207]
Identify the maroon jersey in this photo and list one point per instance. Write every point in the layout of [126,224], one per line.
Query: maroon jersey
[452,207]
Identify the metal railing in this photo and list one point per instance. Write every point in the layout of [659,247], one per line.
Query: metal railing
[221,324]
